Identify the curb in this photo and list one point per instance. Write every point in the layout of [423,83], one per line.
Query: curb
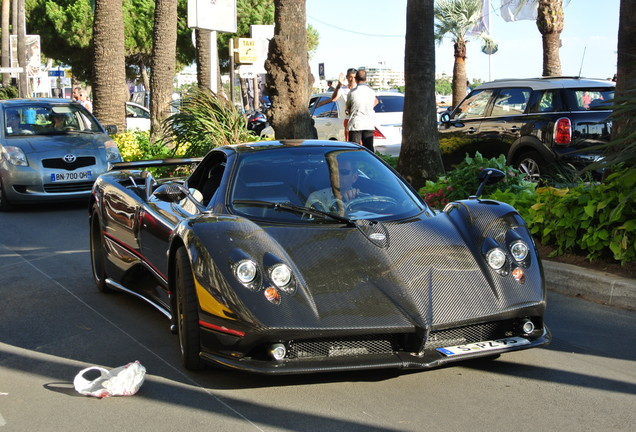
[593,285]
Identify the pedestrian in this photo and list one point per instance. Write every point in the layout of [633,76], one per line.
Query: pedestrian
[83,99]
[330,86]
[76,93]
[360,103]
[345,84]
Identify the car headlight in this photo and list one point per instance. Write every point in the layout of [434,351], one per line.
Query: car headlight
[245,271]
[519,250]
[496,258]
[280,274]
[112,152]
[16,156]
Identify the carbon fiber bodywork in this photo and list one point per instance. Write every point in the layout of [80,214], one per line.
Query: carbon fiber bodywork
[370,289]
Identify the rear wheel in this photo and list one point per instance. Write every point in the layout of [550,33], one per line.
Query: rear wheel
[532,165]
[98,256]
[187,312]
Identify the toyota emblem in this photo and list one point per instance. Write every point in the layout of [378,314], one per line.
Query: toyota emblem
[69,158]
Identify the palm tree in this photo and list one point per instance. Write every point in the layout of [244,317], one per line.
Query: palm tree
[455,18]
[419,155]
[109,80]
[6,78]
[164,52]
[550,20]
[289,79]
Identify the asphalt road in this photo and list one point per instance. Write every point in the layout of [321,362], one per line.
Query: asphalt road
[53,323]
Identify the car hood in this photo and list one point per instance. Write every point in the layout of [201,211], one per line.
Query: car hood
[59,143]
[430,273]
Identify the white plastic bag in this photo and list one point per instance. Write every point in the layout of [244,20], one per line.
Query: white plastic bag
[121,381]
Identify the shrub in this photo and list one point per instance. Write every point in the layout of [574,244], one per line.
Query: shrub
[9,92]
[598,220]
[205,121]
[135,145]
[462,182]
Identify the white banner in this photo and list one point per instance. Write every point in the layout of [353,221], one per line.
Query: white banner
[516,10]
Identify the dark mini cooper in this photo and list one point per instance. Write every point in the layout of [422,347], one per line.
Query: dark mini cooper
[543,125]
[314,256]
[50,150]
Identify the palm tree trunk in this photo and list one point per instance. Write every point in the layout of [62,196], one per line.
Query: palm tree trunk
[6,78]
[164,51]
[420,158]
[23,82]
[289,80]
[626,70]
[109,81]
[550,19]
[459,72]
[203,58]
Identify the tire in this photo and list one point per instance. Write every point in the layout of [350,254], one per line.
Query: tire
[532,165]
[5,205]
[187,312]
[98,254]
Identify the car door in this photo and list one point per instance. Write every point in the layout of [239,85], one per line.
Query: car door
[500,129]
[459,133]
[328,123]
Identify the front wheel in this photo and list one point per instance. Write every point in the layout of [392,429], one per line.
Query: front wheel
[187,311]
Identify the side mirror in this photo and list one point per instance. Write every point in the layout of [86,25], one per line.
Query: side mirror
[444,117]
[487,176]
[170,192]
[111,129]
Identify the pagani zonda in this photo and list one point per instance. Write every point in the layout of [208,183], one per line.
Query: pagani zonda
[311,256]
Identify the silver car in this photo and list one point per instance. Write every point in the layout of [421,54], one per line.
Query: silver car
[50,150]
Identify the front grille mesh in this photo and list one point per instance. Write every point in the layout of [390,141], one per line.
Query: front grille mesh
[59,163]
[340,347]
[469,334]
[68,187]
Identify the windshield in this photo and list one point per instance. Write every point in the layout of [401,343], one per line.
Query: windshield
[347,183]
[48,119]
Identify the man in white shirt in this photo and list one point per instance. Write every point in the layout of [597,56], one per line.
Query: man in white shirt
[344,86]
[360,103]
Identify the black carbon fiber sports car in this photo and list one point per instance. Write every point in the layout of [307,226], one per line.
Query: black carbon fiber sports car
[313,256]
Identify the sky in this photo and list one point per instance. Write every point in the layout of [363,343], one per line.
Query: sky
[364,33]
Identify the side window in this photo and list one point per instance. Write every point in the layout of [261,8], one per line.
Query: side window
[473,106]
[547,102]
[511,101]
[327,110]
[591,99]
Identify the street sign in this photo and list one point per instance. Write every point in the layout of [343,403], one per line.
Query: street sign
[246,50]
[56,73]
[11,69]
[247,71]
[321,70]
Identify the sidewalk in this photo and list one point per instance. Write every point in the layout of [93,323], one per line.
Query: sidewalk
[596,286]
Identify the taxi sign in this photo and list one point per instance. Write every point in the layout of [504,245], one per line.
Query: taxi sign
[246,50]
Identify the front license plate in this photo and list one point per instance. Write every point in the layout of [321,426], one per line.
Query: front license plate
[483,346]
[71,176]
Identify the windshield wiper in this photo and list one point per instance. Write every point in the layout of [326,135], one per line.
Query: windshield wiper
[295,209]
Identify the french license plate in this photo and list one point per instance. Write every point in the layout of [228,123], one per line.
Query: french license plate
[490,345]
[71,176]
